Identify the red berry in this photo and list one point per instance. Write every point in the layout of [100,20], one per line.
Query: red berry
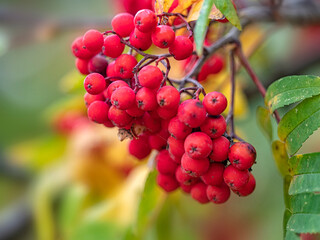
[168,97]
[98,112]
[140,147]
[146,99]
[134,111]
[235,178]
[220,148]
[215,64]
[112,46]
[163,36]
[186,188]
[113,86]
[108,124]
[198,145]
[145,20]
[214,126]
[242,155]
[123,98]
[158,141]
[215,103]
[150,77]
[79,50]
[192,113]
[218,194]
[175,147]
[93,40]
[214,176]
[181,48]
[167,113]
[199,192]
[94,83]
[194,167]
[165,165]
[133,6]
[178,129]
[89,98]
[111,71]
[82,66]
[184,178]
[98,64]
[124,66]
[150,123]
[167,183]
[119,117]
[248,188]
[140,40]
[122,24]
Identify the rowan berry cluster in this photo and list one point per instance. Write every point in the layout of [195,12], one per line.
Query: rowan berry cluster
[190,135]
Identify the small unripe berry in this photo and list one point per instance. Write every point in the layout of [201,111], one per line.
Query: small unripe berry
[214,176]
[192,113]
[214,126]
[112,46]
[215,103]
[94,83]
[167,182]
[242,155]
[145,20]
[165,165]
[163,36]
[123,98]
[98,111]
[146,99]
[198,145]
[181,48]
[235,178]
[139,147]
[168,97]
[124,66]
[194,167]
[248,188]
[123,24]
[218,194]
[178,129]
[150,77]
[199,192]
[220,148]
[119,117]
[93,40]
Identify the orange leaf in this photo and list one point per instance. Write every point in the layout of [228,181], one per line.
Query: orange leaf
[195,11]
[183,5]
[161,6]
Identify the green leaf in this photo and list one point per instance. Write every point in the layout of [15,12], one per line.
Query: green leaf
[299,123]
[227,9]
[96,230]
[307,163]
[287,214]
[200,29]
[280,156]
[264,121]
[291,89]
[305,203]
[305,183]
[150,204]
[304,223]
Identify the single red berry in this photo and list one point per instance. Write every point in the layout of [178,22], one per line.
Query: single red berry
[79,50]
[93,40]
[124,66]
[146,99]
[178,129]
[214,176]
[242,155]
[108,124]
[158,140]
[152,125]
[98,64]
[82,66]
[163,36]
[192,113]
[123,24]
[113,86]
[184,178]
[167,113]
[218,194]
[220,148]
[145,20]
[133,6]
[139,147]
[235,178]
[119,117]
[140,40]
[94,83]
[214,126]
[112,46]
[167,182]
[199,192]
[248,188]
[89,98]
[168,97]
[165,165]
[123,98]
[198,145]
[215,103]
[215,64]
[150,77]
[194,167]
[111,71]
[186,188]
[176,147]
[181,48]
[134,111]
[98,111]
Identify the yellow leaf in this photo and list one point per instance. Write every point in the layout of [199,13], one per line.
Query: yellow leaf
[183,5]
[195,11]
[161,6]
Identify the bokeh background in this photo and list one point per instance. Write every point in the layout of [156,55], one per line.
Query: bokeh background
[62,177]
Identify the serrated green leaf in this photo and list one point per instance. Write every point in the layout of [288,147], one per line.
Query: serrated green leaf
[227,9]
[264,121]
[304,223]
[291,89]
[306,163]
[305,203]
[280,156]
[200,29]
[305,183]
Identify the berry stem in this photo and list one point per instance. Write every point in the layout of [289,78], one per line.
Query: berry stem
[183,18]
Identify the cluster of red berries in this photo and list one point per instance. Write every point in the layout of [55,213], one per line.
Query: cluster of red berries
[194,149]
